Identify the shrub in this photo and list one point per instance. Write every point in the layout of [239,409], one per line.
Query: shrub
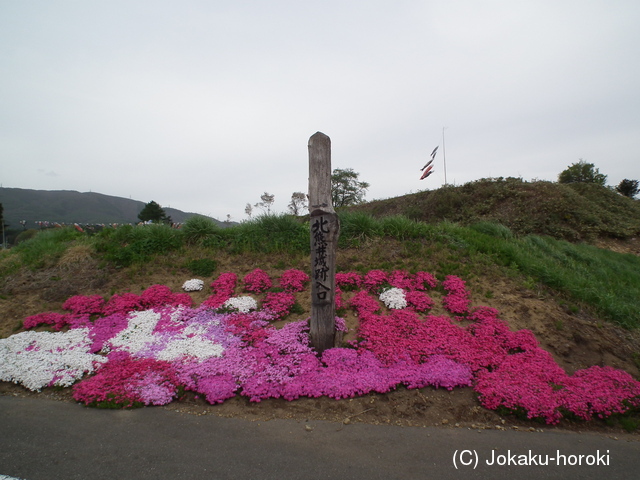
[202,267]
[46,247]
[198,229]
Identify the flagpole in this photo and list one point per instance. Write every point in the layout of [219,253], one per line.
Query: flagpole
[444,157]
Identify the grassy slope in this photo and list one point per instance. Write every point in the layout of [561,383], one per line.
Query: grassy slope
[606,282]
[569,211]
[574,287]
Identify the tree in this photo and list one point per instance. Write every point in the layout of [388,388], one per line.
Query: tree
[152,212]
[628,188]
[346,189]
[298,203]
[582,172]
[267,201]
[248,210]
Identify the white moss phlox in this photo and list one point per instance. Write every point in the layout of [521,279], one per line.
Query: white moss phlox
[394,298]
[243,304]
[41,359]
[193,285]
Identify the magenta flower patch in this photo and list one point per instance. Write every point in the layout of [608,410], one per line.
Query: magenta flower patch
[144,349]
[257,281]
[294,281]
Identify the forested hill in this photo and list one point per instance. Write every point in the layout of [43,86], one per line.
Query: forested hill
[64,206]
[573,211]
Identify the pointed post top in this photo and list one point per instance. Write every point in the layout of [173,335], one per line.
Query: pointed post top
[319,136]
[320,173]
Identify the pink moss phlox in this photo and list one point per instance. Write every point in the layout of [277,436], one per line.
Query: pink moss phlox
[349,373]
[217,388]
[494,334]
[279,304]
[338,299]
[364,304]
[419,301]
[249,327]
[424,281]
[270,364]
[437,371]
[374,280]
[127,381]
[392,337]
[526,381]
[294,280]
[80,304]
[402,333]
[223,288]
[123,303]
[341,325]
[348,280]
[105,328]
[211,377]
[599,392]
[401,279]
[507,369]
[257,281]
[157,296]
[57,320]
[45,318]
[457,299]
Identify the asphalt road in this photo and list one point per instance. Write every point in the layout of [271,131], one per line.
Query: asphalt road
[47,440]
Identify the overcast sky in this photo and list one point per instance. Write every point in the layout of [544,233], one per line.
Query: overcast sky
[205,105]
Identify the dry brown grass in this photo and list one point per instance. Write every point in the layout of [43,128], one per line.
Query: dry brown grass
[76,255]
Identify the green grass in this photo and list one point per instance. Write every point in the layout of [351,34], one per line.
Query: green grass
[574,212]
[198,229]
[268,234]
[129,244]
[605,280]
[583,275]
[202,267]
[45,248]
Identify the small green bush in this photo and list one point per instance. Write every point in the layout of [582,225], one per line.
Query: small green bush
[129,244]
[356,227]
[402,228]
[46,247]
[269,234]
[494,229]
[198,229]
[202,267]
[25,235]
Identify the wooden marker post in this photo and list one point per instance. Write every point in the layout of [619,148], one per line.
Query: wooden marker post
[325,228]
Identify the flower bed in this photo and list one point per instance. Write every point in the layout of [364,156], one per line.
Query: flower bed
[145,349]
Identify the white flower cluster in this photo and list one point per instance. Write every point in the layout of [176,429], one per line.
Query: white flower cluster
[139,339]
[191,342]
[193,285]
[40,359]
[394,298]
[137,335]
[242,304]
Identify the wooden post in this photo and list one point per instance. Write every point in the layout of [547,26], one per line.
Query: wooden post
[324,230]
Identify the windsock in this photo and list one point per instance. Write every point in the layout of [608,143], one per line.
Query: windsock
[428,163]
[427,172]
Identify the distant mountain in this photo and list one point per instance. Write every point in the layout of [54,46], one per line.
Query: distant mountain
[66,206]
